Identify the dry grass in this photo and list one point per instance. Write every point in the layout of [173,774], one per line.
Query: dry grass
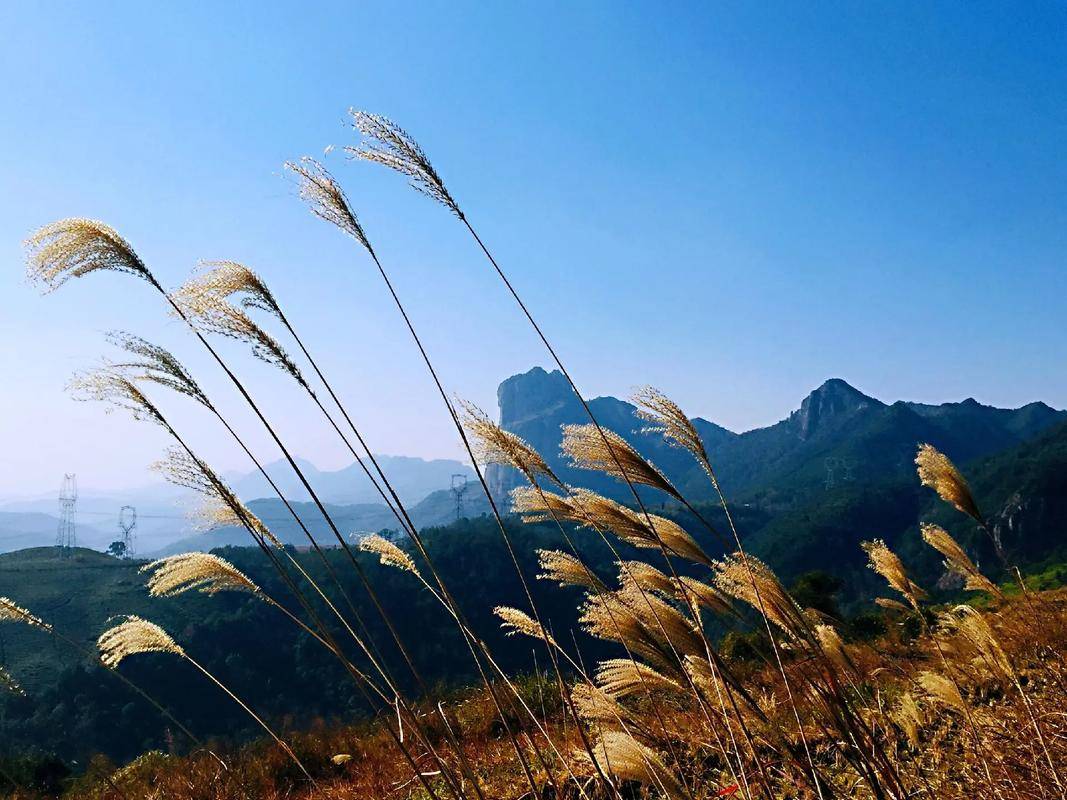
[903,686]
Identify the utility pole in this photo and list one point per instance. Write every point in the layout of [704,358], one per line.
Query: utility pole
[128,526]
[67,534]
[459,488]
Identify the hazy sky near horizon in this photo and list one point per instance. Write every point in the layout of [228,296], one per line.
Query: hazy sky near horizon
[732,201]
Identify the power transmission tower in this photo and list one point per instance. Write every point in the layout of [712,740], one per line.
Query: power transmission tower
[459,488]
[67,534]
[128,526]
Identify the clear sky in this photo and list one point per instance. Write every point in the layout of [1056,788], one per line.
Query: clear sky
[733,201]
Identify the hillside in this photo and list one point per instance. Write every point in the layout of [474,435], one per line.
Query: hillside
[1022,491]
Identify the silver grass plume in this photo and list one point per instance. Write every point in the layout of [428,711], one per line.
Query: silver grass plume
[620,678]
[833,647]
[668,419]
[620,754]
[535,505]
[746,578]
[908,717]
[515,621]
[225,279]
[591,509]
[940,474]
[646,577]
[686,589]
[109,384]
[589,447]
[203,572]
[71,248]
[214,512]
[9,684]
[132,636]
[326,199]
[567,570]
[11,612]
[957,560]
[213,313]
[596,707]
[388,553]
[943,691]
[157,365]
[221,507]
[391,146]
[498,446]
[704,595]
[969,625]
[886,563]
[650,627]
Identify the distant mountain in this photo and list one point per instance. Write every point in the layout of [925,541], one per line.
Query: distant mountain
[838,436]
[439,508]
[22,529]
[412,478]
[162,508]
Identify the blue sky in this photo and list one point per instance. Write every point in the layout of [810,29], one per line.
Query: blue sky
[733,201]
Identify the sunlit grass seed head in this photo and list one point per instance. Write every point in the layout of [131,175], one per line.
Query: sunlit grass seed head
[157,365]
[515,621]
[111,385]
[326,199]
[388,553]
[886,563]
[132,636]
[605,451]
[12,612]
[940,474]
[226,279]
[203,572]
[668,419]
[622,677]
[214,512]
[909,717]
[534,505]
[748,579]
[9,684]
[388,144]
[220,506]
[638,529]
[647,577]
[567,570]
[596,707]
[943,691]
[957,560]
[620,754]
[213,313]
[498,446]
[832,646]
[71,248]
[967,624]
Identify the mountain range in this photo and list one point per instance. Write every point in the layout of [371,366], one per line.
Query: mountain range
[838,435]
[162,509]
[838,441]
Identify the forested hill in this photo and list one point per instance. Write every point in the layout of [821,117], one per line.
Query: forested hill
[837,435]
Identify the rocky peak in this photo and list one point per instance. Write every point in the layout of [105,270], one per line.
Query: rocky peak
[532,394]
[834,400]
